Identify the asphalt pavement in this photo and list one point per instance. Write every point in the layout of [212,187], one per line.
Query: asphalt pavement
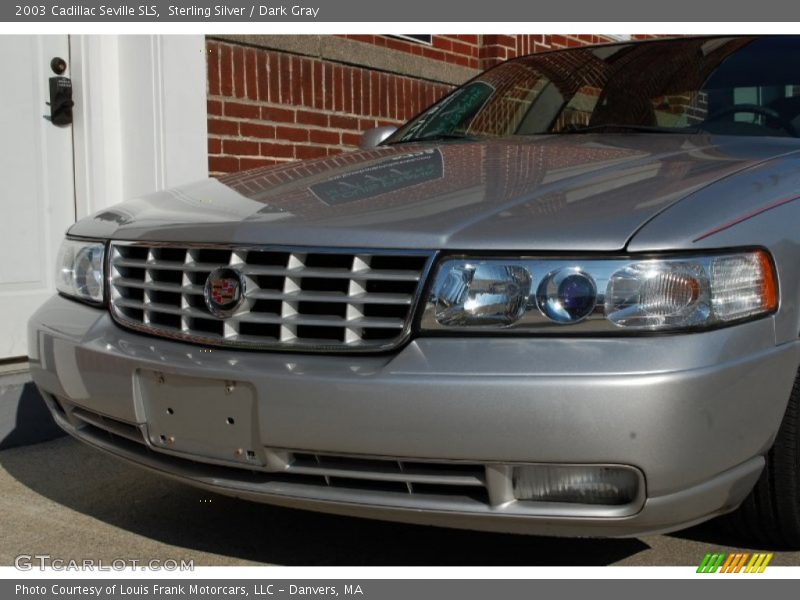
[72,502]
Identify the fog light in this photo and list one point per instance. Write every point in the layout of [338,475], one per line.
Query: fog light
[576,484]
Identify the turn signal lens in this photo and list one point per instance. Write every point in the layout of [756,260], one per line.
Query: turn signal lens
[658,294]
[743,285]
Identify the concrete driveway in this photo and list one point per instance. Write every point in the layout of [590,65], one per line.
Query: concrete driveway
[71,502]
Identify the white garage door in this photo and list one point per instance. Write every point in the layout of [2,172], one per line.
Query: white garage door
[37,191]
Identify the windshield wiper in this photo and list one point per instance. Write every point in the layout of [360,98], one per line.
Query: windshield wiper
[622,127]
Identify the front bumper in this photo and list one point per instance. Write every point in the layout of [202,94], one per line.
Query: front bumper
[694,414]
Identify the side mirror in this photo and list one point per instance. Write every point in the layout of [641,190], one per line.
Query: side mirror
[372,137]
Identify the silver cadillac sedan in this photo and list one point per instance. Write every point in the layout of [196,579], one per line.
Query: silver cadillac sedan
[563,300]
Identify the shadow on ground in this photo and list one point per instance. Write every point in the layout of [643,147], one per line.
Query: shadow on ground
[24,418]
[126,497]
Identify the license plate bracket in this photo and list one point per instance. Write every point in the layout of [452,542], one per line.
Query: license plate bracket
[205,418]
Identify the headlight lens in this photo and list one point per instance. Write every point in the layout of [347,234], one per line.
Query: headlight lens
[483,294]
[596,295]
[80,270]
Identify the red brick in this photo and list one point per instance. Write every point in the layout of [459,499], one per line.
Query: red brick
[306,152]
[262,76]
[277,150]
[319,136]
[223,164]
[291,134]
[396,44]
[347,89]
[462,49]
[214,146]
[284,70]
[340,122]
[405,104]
[318,91]
[226,70]
[246,163]
[328,76]
[459,60]
[357,94]
[312,118]
[251,77]
[278,115]
[214,107]
[351,139]
[433,53]
[296,96]
[386,95]
[240,147]
[274,77]
[212,67]
[243,111]
[442,43]
[338,85]
[509,41]
[306,83]
[256,130]
[238,71]
[221,127]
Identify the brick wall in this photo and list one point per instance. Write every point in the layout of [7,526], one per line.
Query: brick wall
[267,107]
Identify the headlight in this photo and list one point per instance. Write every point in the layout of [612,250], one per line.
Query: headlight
[597,295]
[80,270]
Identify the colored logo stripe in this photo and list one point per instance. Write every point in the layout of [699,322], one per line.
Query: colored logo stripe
[734,563]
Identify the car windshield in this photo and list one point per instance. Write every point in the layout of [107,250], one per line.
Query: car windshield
[721,85]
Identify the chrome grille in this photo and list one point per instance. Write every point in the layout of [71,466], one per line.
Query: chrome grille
[314,299]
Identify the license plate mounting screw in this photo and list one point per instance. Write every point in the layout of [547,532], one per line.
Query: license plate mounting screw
[230,386]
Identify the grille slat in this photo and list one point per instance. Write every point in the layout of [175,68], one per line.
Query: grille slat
[124,282]
[307,296]
[386,470]
[166,265]
[312,299]
[365,274]
[114,426]
[320,321]
[389,474]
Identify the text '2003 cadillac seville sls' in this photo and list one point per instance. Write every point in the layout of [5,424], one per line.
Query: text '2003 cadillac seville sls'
[562,300]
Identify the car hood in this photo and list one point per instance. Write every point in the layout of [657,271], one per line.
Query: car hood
[569,192]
